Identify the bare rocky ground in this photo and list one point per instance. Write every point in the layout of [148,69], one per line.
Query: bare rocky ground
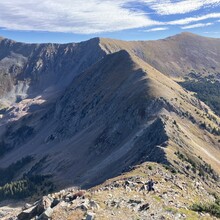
[9,209]
[124,197]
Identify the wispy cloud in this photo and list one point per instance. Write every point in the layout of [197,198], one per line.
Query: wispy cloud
[189,20]
[156,29]
[97,16]
[211,32]
[196,25]
[78,16]
[168,7]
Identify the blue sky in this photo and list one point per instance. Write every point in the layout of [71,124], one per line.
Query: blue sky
[64,21]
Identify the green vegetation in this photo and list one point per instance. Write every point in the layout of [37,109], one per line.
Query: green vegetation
[150,167]
[202,168]
[26,187]
[215,131]
[7,174]
[3,109]
[14,190]
[211,208]
[172,210]
[30,184]
[209,128]
[170,168]
[208,90]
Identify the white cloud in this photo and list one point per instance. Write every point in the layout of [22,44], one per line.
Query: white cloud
[156,29]
[193,19]
[95,16]
[78,16]
[212,32]
[168,7]
[196,25]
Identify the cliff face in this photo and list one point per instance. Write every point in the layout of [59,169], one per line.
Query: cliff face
[87,112]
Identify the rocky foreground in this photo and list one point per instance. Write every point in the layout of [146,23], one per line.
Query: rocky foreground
[126,197]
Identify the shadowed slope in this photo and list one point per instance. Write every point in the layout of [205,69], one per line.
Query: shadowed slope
[108,109]
[29,70]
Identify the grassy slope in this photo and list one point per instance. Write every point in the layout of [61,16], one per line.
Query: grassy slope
[175,56]
[188,112]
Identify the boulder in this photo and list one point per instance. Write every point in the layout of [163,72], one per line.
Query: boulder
[144,187]
[134,202]
[46,202]
[63,204]
[28,213]
[128,189]
[43,204]
[46,215]
[116,185]
[144,207]
[55,203]
[79,194]
[27,206]
[90,216]
[37,209]
[83,207]
[93,204]
[67,199]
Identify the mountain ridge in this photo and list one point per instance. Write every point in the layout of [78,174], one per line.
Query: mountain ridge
[180,60]
[185,33]
[175,56]
[101,91]
[109,112]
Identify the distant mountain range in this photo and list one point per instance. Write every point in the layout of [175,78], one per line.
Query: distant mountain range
[86,112]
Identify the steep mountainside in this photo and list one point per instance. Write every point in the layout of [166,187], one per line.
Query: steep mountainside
[83,113]
[191,60]
[28,70]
